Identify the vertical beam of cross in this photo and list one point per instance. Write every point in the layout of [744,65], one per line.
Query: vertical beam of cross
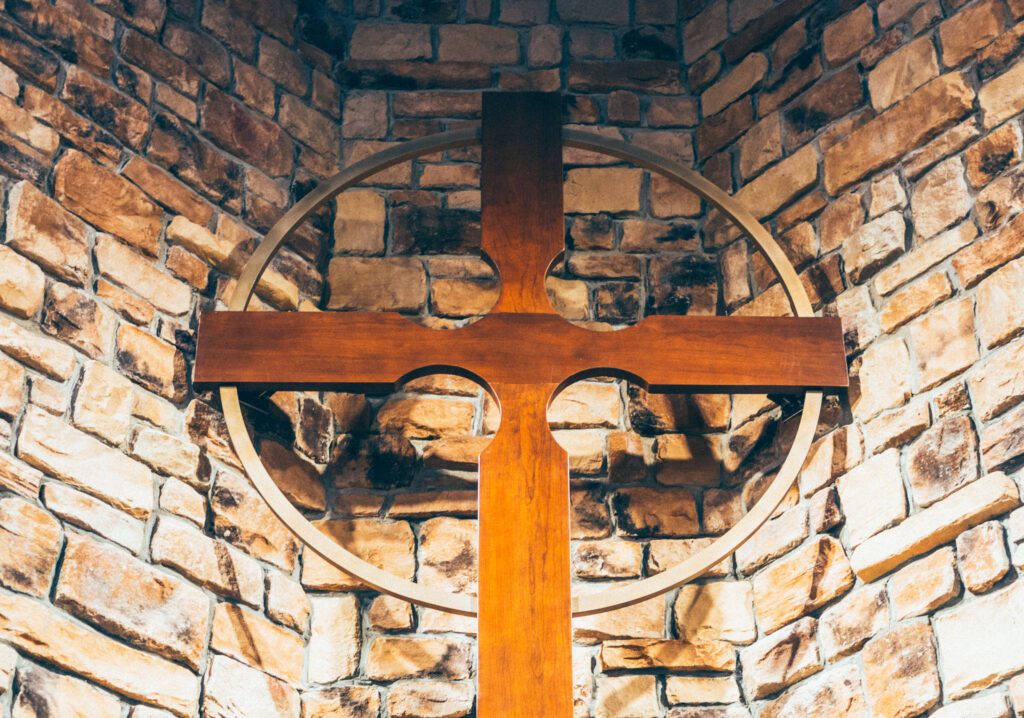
[525,610]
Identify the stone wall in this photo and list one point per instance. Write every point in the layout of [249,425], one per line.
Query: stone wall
[147,146]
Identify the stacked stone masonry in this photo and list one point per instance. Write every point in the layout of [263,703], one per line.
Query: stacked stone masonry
[145,148]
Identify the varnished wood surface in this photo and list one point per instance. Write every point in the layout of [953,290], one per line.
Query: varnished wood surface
[525,605]
[524,615]
[371,352]
[521,215]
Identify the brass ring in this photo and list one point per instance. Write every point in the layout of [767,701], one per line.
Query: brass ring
[608,599]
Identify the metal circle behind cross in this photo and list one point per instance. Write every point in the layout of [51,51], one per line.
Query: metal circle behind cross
[606,600]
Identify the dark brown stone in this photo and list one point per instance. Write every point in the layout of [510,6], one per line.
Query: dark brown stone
[176,148]
[682,285]
[63,33]
[22,53]
[830,99]
[122,116]
[146,53]
[716,132]
[433,230]
[245,134]
[201,51]
[762,31]
[661,76]
[383,75]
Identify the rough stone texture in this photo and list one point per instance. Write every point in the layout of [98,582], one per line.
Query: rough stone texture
[782,659]
[970,665]
[149,608]
[900,671]
[149,146]
[720,610]
[923,531]
[800,582]
[872,496]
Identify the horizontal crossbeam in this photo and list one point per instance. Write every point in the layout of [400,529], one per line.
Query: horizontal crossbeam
[372,352]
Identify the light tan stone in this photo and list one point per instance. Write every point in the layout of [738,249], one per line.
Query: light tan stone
[847,35]
[775,187]
[746,75]
[981,556]
[1001,305]
[54,447]
[940,199]
[209,563]
[897,428]
[30,543]
[287,603]
[255,641]
[429,699]
[12,387]
[1002,441]
[720,610]
[1002,96]
[775,538]
[924,585]
[943,342]
[334,638]
[607,559]
[902,72]
[42,693]
[625,697]
[179,498]
[448,554]
[391,658]
[670,655]
[998,384]
[900,671]
[54,637]
[586,404]
[929,110]
[243,518]
[386,544]
[887,194]
[233,689]
[644,620]
[152,609]
[924,257]
[342,702]
[782,659]
[425,417]
[990,706]
[131,270]
[836,693]
[942,460]
[21,284]
[663,554]
[978,501]
[969,664]
[45,232]
[226,250]
[914,300]
[969,30]
[94,515]
[801,582]
[874,245]
[846,626]
[881,378]
[872,497]
[359,223]
[49,356]
[107,201]
[103,403]
[701,689]
[590,190]
[168,454]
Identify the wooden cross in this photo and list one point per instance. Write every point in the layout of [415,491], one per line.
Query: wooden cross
[524,352]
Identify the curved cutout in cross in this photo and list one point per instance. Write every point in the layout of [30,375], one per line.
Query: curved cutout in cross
[524,352]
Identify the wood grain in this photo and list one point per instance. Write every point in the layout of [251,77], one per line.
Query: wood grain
[371,352]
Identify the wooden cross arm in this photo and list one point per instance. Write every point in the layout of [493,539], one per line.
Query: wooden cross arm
[372,352]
